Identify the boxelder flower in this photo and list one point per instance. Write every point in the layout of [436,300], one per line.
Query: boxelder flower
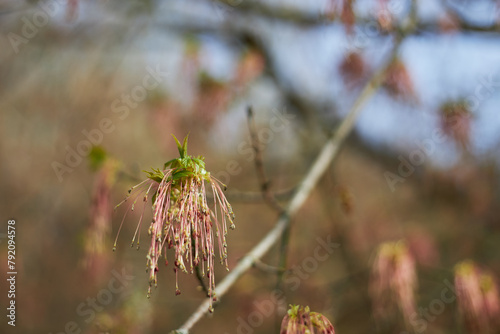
[96,257]
[393,280]
[182,218]
[398,82]
[353,69]
[477,297]
[456,121]
[491,300]
[300,320]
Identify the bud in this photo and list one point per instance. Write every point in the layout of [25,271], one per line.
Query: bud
[71,10]
[384,16]
[449,23]
[300,320]
[250,66]
[213,97]
[346,200]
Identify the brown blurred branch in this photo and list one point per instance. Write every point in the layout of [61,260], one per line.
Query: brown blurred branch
[286,14]
[249,196]
[232,25]
[259,165]
[301,18]
[283,257]
[327,154]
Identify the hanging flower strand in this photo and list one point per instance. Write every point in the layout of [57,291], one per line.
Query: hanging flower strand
[182,218]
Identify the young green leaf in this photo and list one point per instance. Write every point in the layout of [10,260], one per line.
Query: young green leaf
[179,147]
[185,144]
[168,163]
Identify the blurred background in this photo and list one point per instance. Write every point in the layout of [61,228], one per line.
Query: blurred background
[91,91]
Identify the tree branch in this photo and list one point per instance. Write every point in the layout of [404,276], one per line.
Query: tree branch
[254,196]
[199,276]
[327,154]
[267,268]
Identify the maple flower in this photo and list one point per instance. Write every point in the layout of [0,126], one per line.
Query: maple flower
[477,297]
[100,216]
[398,81]
[96,258]
[182,218]
[491,300]
[456,121]
[300,320]
[393,280]
[353,69]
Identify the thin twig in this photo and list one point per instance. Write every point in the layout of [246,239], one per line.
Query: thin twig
[302,18]
[245,196]
[199,276]
[327,154]
[265,184]
[267,268]
[282,263]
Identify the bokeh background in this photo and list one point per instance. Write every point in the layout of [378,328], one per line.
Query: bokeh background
[421,165]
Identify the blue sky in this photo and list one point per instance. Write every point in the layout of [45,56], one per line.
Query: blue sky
[443,67]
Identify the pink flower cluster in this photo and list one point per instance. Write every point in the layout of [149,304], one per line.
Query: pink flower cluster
[183,220]
[477,296]
[393,280]
[300,320]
